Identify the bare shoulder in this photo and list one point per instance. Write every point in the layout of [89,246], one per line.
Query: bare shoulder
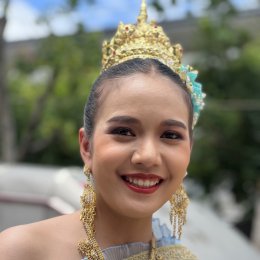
[40,240]
[19,243]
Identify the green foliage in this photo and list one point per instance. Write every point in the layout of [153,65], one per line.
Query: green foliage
[227,137]
[72,66]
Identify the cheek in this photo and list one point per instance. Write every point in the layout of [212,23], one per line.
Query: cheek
[180,158]
[185,157]
[106,150]
[107,155]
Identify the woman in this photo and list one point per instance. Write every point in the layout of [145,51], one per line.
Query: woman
[136,145]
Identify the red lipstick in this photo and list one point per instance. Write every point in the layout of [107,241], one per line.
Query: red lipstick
[142,190]
[142,183]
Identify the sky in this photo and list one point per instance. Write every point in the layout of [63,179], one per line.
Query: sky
[24,15]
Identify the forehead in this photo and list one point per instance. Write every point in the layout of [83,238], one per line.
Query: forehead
[142,93]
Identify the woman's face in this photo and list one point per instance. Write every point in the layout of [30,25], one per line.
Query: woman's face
[141,146]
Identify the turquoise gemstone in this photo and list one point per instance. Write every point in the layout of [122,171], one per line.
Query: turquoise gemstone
[192,76]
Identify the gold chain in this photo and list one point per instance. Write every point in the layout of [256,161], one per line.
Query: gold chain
[89,248]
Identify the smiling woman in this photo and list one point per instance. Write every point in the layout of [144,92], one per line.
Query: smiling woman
[136,145]
[148,140]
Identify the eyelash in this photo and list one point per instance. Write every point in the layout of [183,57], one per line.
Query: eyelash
[124,131]
[172,135]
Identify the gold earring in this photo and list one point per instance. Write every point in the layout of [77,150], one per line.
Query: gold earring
[179,203]
[89,246]
[87,173]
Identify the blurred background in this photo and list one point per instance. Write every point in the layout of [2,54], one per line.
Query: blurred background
[50,53]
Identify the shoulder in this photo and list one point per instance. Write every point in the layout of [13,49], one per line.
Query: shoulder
[35,241]
[19,243]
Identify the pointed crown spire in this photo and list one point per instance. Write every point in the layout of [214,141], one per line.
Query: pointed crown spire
[142,18]
[148,40]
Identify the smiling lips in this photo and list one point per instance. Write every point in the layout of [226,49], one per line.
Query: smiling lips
[142,183]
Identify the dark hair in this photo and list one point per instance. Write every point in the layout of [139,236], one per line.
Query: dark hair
[124,69]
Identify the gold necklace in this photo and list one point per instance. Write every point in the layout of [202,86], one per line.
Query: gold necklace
[89,248]
[153,255]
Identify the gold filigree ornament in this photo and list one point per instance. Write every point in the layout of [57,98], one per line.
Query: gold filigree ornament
[148,40]
[173,252]
[178,212]
[89,247]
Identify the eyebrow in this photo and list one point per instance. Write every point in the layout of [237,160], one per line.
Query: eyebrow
[123,119]
[172,122]
[132,120]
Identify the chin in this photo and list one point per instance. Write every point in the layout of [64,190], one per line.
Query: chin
[139,211]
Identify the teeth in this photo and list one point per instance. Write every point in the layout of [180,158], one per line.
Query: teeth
[142,183]
[135,181]
[147,183]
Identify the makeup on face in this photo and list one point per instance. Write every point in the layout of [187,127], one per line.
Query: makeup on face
[141,145]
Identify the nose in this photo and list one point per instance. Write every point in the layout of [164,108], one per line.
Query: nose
[146,153]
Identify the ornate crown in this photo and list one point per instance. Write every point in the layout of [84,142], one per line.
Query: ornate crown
[148,40]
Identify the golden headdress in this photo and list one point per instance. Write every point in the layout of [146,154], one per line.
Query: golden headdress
[148,40]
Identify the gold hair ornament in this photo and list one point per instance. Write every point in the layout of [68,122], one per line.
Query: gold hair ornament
[148,40]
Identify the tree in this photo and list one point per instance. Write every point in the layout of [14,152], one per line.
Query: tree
[13,146]
[7,126]
[228,133]
[49,111]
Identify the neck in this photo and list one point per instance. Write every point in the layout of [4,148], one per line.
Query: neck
[115,229]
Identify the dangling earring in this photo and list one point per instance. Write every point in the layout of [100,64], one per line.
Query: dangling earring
[87,173]
[89,246]
[179,203]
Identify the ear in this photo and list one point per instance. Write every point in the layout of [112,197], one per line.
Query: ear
[85,146]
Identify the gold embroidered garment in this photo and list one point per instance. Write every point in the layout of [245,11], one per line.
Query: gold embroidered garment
[172,252]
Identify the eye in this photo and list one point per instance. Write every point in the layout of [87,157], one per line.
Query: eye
[122,131]
[171,135]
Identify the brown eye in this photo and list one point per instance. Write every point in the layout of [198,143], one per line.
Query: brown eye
[122,131]
[171,135]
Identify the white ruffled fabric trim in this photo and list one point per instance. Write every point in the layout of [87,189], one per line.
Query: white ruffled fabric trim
[161,233]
